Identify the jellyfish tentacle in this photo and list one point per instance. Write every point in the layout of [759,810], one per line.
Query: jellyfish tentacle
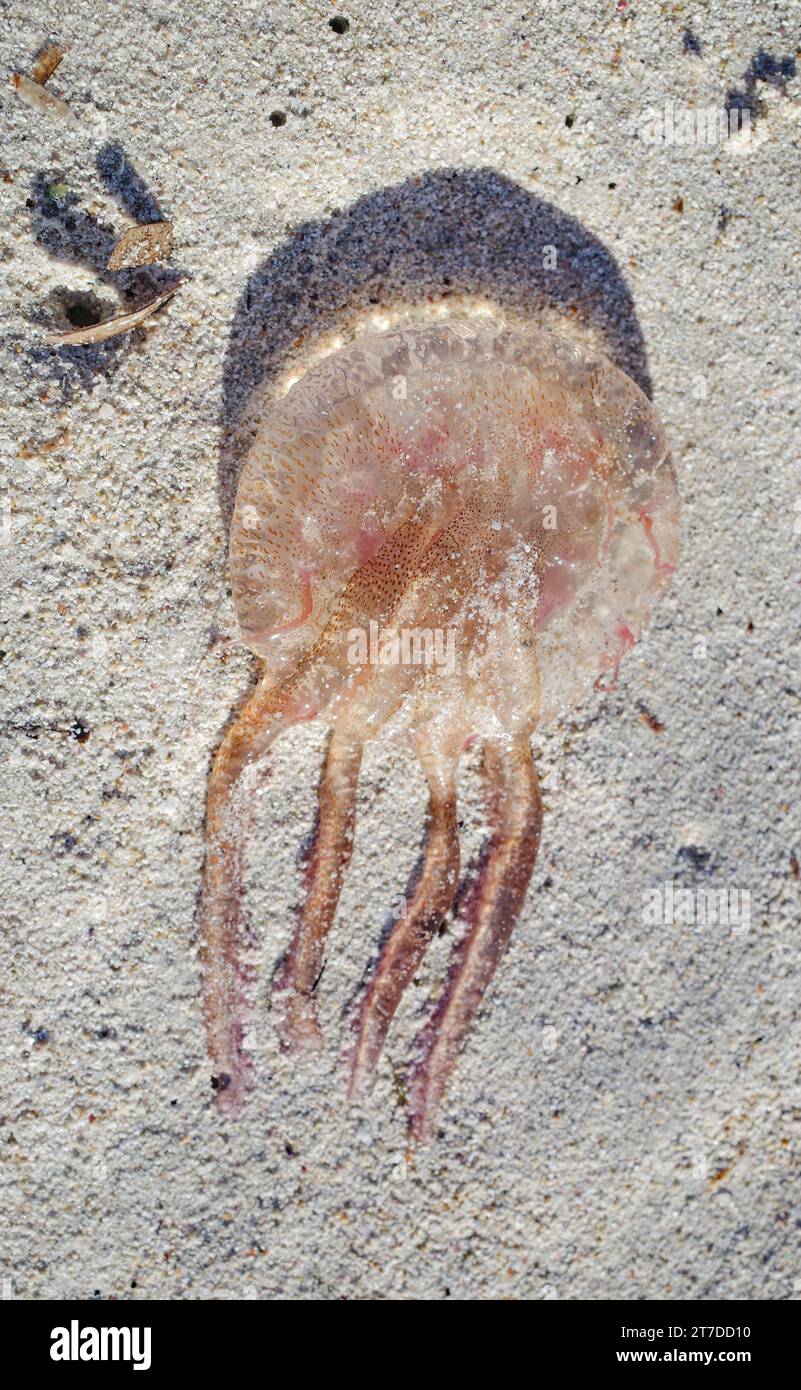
[223,931]
[516,814]
[333,845]
[410,936]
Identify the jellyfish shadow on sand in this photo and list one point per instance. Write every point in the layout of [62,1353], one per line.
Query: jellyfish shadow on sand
[445,235]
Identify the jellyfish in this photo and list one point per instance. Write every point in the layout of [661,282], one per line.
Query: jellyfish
[444,532]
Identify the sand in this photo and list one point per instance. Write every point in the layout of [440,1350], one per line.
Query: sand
[624,1122]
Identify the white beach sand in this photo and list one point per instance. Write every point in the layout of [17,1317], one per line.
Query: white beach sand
[624,1122]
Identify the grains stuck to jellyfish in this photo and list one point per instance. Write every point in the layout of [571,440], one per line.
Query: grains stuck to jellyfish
[504,504]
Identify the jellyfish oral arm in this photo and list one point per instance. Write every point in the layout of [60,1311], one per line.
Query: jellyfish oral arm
[409,938]
[224,937]
[293,995]
[515,813]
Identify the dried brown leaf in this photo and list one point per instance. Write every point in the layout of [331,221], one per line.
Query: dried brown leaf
[32,94]
[46,63]
[142,246]
[110,328]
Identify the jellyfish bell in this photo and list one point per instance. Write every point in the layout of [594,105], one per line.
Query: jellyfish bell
[517,479]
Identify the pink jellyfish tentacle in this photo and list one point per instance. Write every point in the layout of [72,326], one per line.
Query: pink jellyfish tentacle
[624,640]
[409,938]
[297,979]
[661,566]
[224,937]
[516,813]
